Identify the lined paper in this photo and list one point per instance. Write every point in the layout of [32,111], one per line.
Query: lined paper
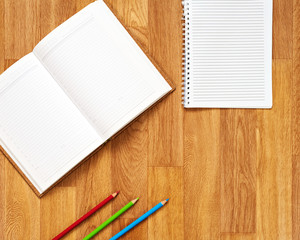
[41,128]
[101,69]
[229,44]
[96,76]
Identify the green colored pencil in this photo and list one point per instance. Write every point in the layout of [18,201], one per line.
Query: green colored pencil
[112,218]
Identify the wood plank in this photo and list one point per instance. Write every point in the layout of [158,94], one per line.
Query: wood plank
[274,178]
[238,236]
[94,175]
[58,212]
[238,172]
[296,121]
[55,12]
[166,119]
[296,79]
[165,183]
[22,24]
[282,29]
[139,232]
[129,167]
[296,197]
[202,174]
[22,207]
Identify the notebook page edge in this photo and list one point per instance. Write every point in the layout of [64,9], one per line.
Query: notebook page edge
[14,161]
[72,164]
[8,77]
[13,72]
[268,54]
[38,190]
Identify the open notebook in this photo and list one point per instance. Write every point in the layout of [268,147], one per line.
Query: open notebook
[82,84]
[227,58]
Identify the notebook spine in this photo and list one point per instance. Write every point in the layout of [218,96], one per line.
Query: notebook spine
[185,52]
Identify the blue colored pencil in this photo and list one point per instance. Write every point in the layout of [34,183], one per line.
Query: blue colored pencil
[140,219]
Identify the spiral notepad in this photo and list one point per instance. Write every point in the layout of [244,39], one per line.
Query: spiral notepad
[227,53]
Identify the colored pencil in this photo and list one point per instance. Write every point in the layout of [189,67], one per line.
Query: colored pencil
[112,218]
[140,219]
[85,216]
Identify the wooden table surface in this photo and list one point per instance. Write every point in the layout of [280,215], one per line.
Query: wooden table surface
[229,174]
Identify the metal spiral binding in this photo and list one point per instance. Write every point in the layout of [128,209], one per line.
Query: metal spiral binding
[185,52]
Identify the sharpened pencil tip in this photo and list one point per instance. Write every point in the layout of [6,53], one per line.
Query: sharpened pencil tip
[167,199]
[135,200]
[115,194]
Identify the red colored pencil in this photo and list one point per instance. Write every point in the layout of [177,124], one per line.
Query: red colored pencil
[85,216]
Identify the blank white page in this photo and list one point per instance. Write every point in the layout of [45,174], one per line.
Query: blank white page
[101,68]
[228,53]
[40,128]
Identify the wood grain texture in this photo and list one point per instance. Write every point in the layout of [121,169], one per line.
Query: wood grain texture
[129,167]
[166,183]
[238,236]
[296,79]
[238,167]
[22,207]
[100,187]
[274,159]
[139,232]
[296,121]
[53,13]
[229,174]
[134,15]
[80,4]
[202,174]
[58,203]
[129,160]
[22,24]
[282,29]
[296,197]
[166,139]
